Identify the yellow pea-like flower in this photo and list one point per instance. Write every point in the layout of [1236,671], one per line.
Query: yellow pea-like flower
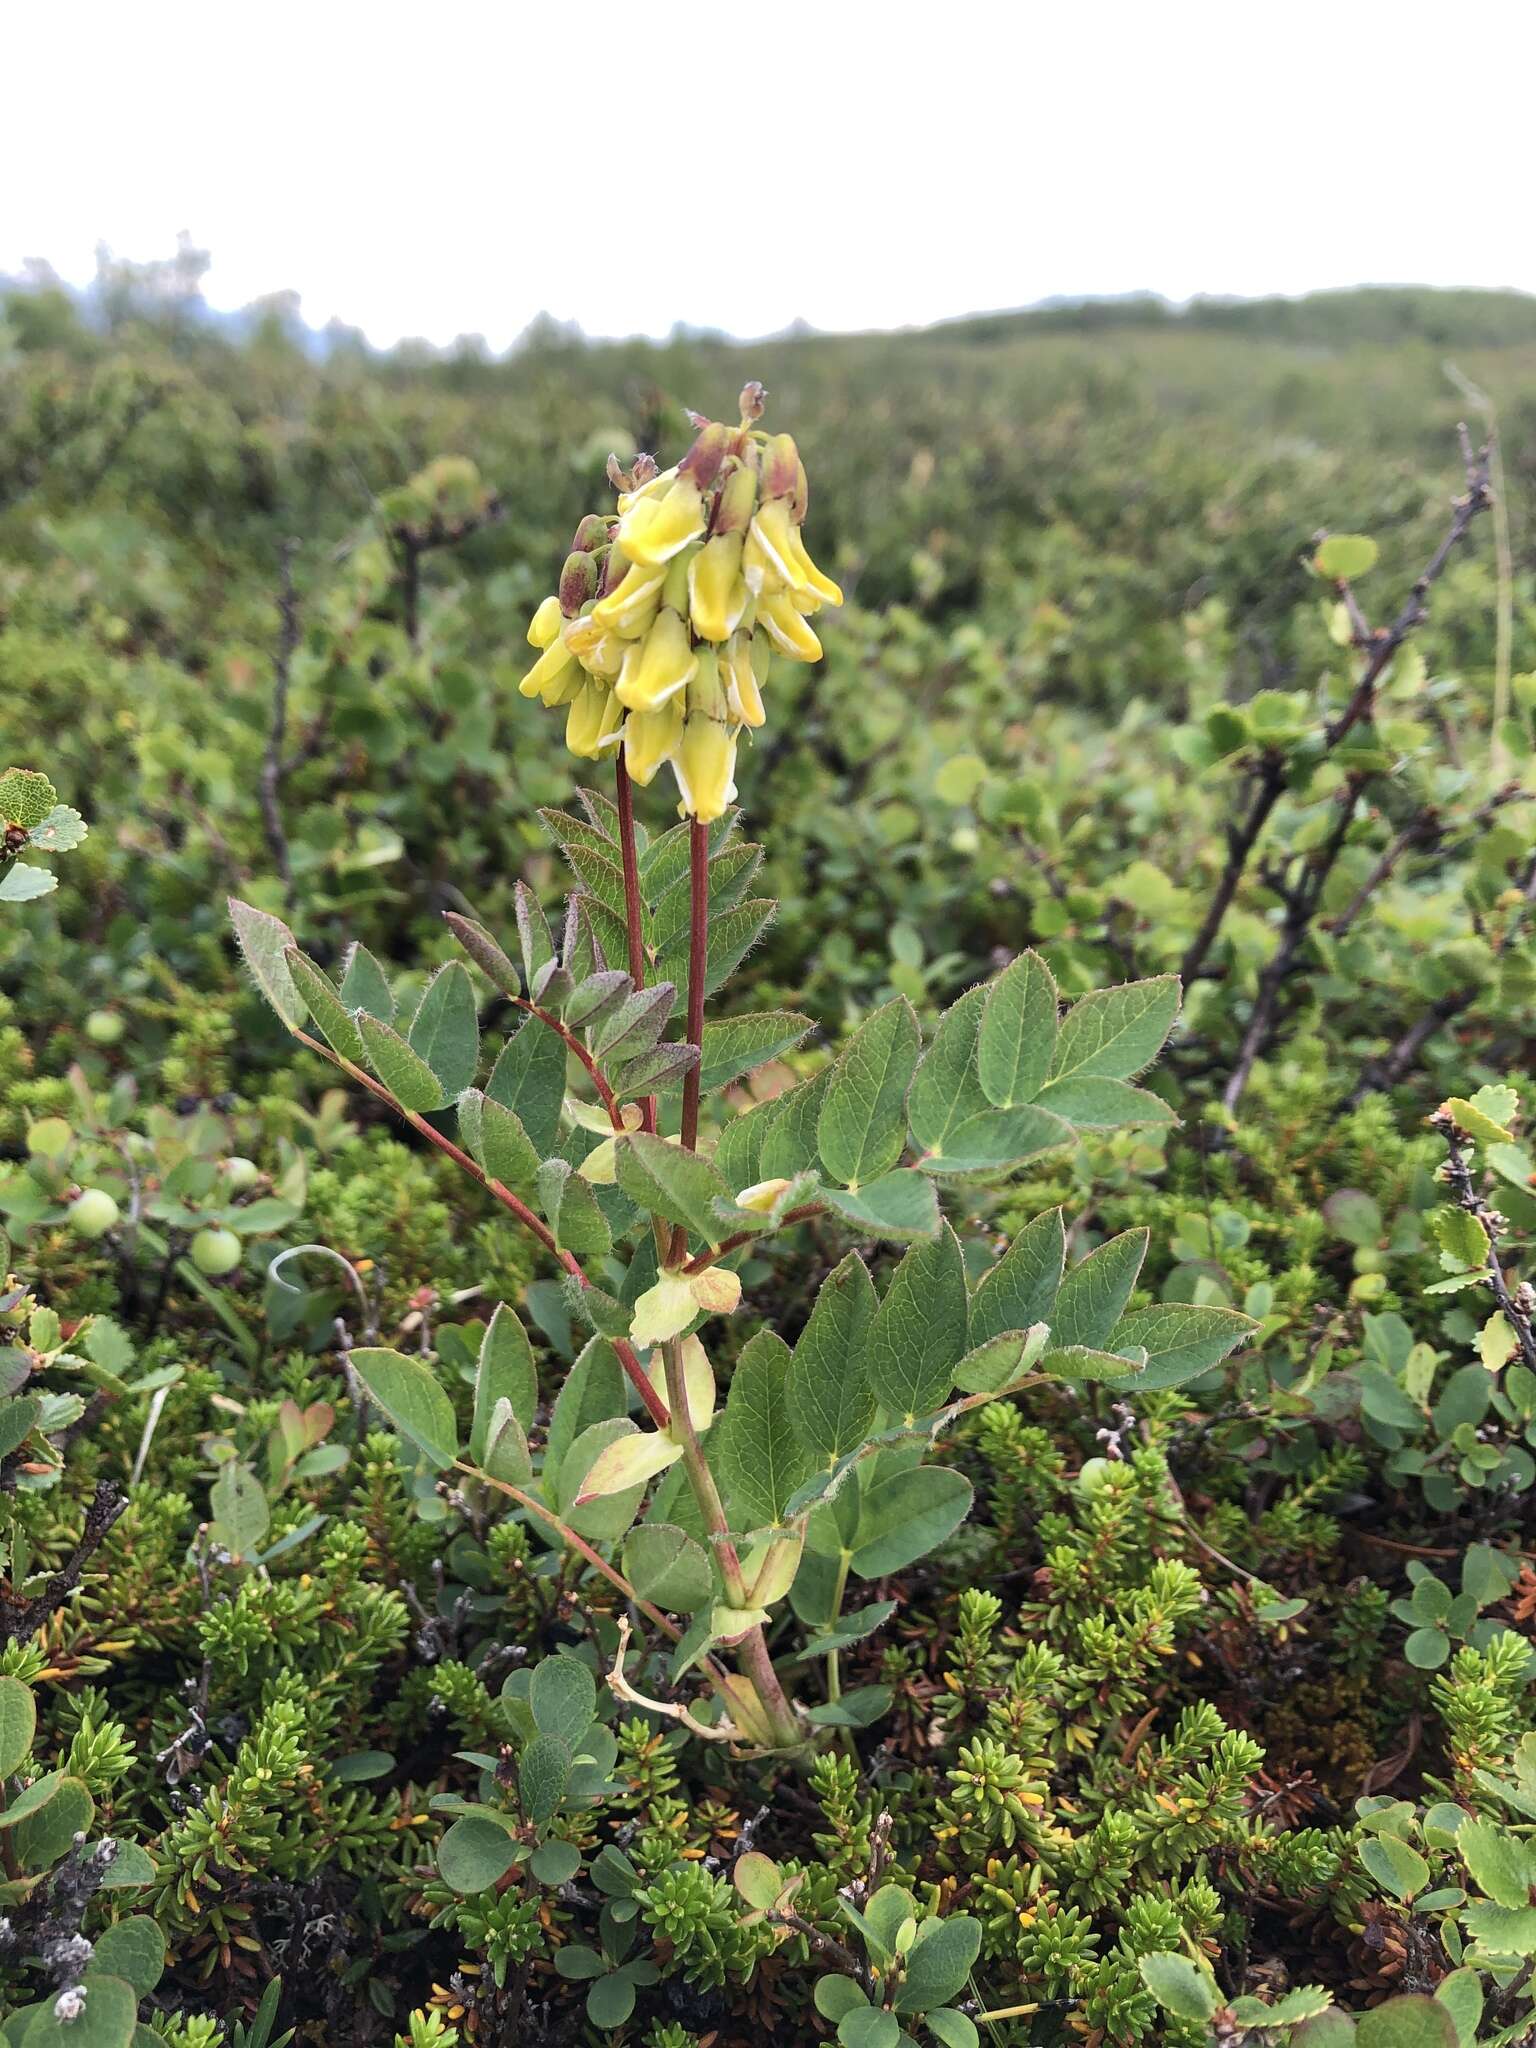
[595,722]
[717,590]
[582,635]
[544,626]
[651,738]
[654,529]
[743,688]
[786,628]
[548,672]
[705,767]
[657,667]
[809,577]
[776,557]
[630,606]
[661,634]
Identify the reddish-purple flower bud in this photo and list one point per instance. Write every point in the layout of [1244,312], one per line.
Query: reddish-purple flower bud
[578,583]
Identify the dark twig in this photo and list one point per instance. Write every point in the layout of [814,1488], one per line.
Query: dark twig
[1403,1056]
[274,763]
[21,1621]
[1267,781]
[1301,899]
[1518,1302]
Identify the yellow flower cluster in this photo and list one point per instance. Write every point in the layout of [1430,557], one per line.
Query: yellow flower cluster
[669,612]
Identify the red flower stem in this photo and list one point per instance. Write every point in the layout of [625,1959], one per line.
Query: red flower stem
[573,1044]
[698,969]
[624,794]
[535,1225]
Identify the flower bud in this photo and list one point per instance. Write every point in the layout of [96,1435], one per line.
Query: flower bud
[591,535]
[781,467]
[578,582]
[704,460]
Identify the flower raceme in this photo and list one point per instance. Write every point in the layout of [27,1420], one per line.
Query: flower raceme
[669,611]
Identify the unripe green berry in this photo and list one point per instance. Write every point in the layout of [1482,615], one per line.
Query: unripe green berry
[104,1027]
[215,1251]
[240,1174]
[92,1213]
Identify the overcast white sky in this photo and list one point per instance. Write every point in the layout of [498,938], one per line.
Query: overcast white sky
[421,170]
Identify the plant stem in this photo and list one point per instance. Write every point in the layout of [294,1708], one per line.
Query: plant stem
[752,1653]
[698,969]
[700,1478]
[655,1406]
[598,1563]
[573,1044]
[624,796]
[569,1537]
[840,1587]
[702,1260]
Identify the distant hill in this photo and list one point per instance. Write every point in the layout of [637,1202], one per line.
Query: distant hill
[167,296]
[1361,314]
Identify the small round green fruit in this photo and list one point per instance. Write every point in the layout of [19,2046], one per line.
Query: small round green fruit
[240,1174]
[215,1252]
[104,1027]
[93,1213]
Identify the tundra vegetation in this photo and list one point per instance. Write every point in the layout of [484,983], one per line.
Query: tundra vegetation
[767,1181]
